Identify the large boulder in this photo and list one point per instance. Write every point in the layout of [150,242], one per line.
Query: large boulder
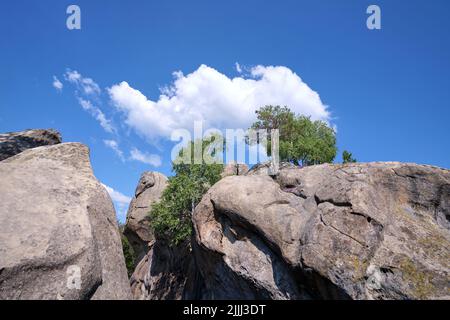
[59,237]
[355,231]
[12,143]
[137,228]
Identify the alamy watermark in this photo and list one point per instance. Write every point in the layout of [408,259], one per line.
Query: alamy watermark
[374,20]
[73,277]
[73,21]
[214,146]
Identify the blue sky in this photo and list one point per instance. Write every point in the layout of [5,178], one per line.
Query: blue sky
[386,91]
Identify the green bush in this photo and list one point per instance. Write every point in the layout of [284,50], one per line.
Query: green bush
[129,255]
[347,157]
[170,218]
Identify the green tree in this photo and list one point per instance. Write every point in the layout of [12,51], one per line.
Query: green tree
[128,252]
[347,157]
[170,218]
[301,140]
[129,255]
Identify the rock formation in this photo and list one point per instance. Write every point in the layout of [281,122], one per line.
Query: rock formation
[355,231]
[137,227]
[12,143]
[167,273]
[265,168]
[59,237]
[234,169]
[163,271]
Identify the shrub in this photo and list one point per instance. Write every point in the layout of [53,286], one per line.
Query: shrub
[170,218]
[127,249]
[347,157]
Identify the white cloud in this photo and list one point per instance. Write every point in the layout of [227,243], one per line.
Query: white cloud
[106,124]
[87,85]
[57,84]
[87,91]
[238,67]
[120,200]
[151,159]
[117,196]
[112,144]
[210,96]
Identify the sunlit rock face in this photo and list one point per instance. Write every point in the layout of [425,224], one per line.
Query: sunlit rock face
[59,237]
[354,231]
[137,228]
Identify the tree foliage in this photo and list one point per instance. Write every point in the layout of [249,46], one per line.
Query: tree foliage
[302,141]
[347,157]
[128,252]
[170,218]
[129,255]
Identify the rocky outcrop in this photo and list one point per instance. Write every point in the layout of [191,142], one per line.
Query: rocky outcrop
[163,272]
[355,231]
[268,169]
[137,227]
[167,273]
[59,237]
[234,169]
[12,143]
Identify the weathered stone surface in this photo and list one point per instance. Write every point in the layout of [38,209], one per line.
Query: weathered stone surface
[355,231]
[234,169]
[55,217]
[166,273]
[12,143]
[268,169]
[137,227]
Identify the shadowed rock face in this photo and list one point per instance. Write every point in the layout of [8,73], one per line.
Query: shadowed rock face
[163,271]
[12,143]
[56,219]
[355,231]
[137,227]
[167,273]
